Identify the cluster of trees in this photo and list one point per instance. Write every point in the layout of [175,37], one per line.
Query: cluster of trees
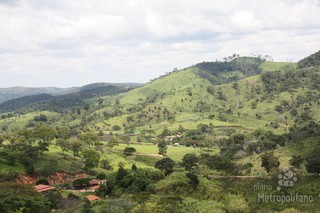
[27,146]
[151,115]
[311,162]
[231,69]
[312,60]
[16,197]
[200,137]
[130,181]
[277,81]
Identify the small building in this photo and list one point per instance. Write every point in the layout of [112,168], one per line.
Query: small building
[172,137]
[43,188]
[93,198]
[94,188]
[95,182]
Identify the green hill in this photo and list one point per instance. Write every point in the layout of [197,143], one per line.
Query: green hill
[61,102]
[188,98]
[257,95]
[200,138]
[312,60]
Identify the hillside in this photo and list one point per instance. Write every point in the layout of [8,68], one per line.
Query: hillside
[17,92]
[192,96]
[75,98]
[201,138]
[242,92]
[188,98]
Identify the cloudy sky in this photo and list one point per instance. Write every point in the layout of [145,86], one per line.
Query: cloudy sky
[70,43]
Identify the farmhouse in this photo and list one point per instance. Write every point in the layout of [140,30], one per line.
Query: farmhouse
[95,182]
[93,198]
[43,188]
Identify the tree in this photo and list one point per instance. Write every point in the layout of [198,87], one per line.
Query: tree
[296,161]
[129,130]
[64,145]
[210,90]
[238,138]
[218,162]
[15,197]
[112,143]
[45,133]
[63,133]
[41,118]
[121,173]
[313,162]
[116,128]
[162,146]
[86,207]
[193,179]
[91,158]
[166,165]
[89,138]
[100,101]
[1,139]
[189,162]
[75,146]
[269,161]
[129,151]
[105,164]
[134,167]
[42,181]
[164,133]
[55,199]
[101,176]
[278,108]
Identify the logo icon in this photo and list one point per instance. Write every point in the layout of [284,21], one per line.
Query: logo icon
[286,178]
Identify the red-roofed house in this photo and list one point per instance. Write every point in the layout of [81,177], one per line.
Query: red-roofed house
[95,187]
[95,182]
[43,188]
[93,198]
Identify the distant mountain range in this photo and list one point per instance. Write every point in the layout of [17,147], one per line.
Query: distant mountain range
[246,92]
[17,92]
[57,99]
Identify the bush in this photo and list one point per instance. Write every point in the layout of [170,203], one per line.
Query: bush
[129,151]
[14,197]
[313,162]
[176,183]
[116,128]
[7,176]
[42,181]
[55,199]
[105,164]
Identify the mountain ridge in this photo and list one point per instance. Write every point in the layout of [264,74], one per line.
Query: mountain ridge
[10,93]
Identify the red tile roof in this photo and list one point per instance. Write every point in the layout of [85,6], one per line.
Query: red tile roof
[96,182]
[43,188]
[95,187]
[93,198]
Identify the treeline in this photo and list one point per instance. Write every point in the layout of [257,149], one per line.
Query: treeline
[312,60]
[236,68]
[59,103]
[277,82]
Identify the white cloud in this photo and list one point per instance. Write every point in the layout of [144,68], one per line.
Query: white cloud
[63,43]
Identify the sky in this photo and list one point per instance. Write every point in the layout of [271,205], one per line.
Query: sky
[65,43]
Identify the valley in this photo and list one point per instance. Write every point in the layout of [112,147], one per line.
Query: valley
[197,139]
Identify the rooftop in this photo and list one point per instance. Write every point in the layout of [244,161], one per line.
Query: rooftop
[93,198]
[43,188]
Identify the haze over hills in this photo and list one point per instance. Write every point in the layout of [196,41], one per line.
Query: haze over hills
[71,97]
[17,92]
